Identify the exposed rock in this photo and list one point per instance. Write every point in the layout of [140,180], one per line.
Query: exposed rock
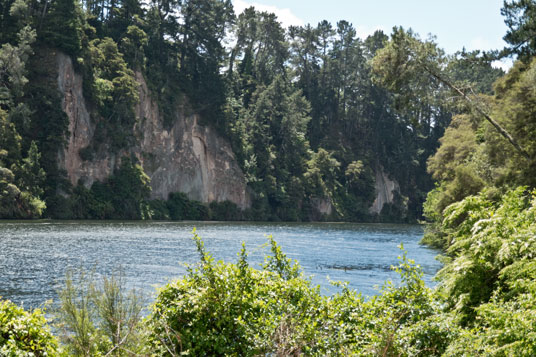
[188,157]
[385,190]
[80,128]
[322,206]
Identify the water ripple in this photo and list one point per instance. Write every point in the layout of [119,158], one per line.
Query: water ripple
[34,256]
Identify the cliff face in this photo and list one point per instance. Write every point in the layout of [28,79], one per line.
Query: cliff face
[188,157]
[385,189]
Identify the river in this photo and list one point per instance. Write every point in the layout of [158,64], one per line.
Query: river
[34,256]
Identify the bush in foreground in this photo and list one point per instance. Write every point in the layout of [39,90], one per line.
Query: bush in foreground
[100,318]
[234,309]
[24,333]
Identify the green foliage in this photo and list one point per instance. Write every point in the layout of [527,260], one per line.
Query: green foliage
[458,144]
[227,309]
[473,70]
[322,172]
[484,303]
[395,211]
[24,333]
[514,107]
[46,123]
[158,210]
[114,92]
[130,187]
[271,135]
[473,156]
[100,318]
[201,34]
[20,187]
[224,211]
[10,141]
[62,27]
[520,17]
[399,67]
[275,94]
[133,45]
[182,208]
[30,175]
[90,203]
[486,239]
[231,308]
[123,195]
[13,61]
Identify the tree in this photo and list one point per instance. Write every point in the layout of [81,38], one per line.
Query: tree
[201,53]
[514,109]
[321,175]
[520,17]
[473,71]
[20,188]
[130,187]
[261,47]
[62,26]
[272,134]
[133,46]
[13,72]
[115,93]
[406,66]
[30,176]
[25,332]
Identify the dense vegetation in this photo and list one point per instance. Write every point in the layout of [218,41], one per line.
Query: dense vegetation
[307,118]
[482,211]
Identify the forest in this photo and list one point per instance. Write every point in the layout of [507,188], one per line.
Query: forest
[311,112]
[304,108]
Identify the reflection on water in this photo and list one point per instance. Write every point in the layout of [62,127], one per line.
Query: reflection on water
[34,256]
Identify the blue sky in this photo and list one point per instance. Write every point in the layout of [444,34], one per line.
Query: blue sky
[475,24]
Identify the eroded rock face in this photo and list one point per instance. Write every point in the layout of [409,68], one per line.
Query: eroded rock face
[188,157]
[80,128]
[323,206]
[385,190]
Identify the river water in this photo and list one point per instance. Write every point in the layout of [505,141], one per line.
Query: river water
[34,256]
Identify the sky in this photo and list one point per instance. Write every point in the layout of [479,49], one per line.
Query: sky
[473,24]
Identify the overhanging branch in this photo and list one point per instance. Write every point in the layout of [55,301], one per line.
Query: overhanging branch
[479,109]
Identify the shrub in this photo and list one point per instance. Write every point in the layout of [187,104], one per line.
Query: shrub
[487,238]
[233,309]
[182,208]
[223,309]
[24,333]
[158,210]
[100,319]
[225,211]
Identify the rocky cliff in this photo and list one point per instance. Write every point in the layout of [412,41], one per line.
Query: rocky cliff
[188,157]
[385,190]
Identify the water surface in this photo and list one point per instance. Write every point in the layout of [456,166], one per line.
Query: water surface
[34,256]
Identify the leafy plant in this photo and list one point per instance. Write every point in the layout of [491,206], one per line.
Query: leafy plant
[100,318]
[227,309]
[25,333]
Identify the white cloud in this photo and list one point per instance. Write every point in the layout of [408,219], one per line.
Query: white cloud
[285,16]
[480,43]
[504,64]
